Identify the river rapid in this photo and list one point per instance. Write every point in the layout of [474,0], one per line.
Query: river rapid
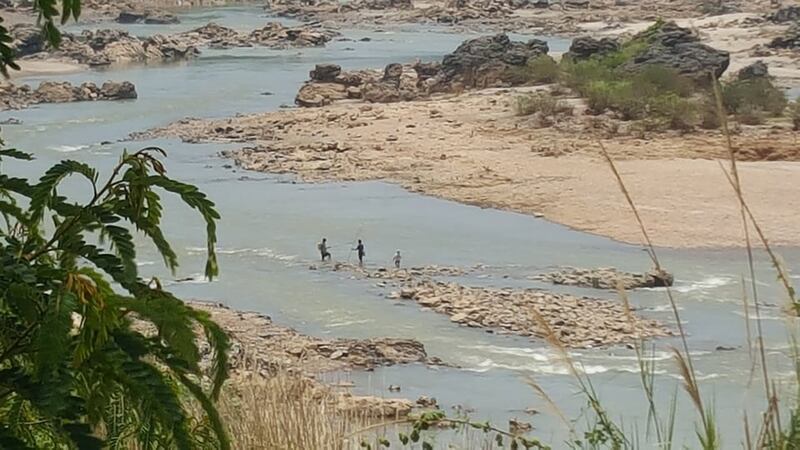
[270,226]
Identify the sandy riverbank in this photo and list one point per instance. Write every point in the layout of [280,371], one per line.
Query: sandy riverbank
[473,149]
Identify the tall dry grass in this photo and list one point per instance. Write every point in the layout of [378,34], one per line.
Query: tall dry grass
[284,412]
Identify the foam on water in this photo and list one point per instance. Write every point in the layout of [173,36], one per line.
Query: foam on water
[268,252]
[706,284]
[346,323]
[489,364]
[68,148]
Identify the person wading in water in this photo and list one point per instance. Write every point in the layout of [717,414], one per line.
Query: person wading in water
[323,249]
[396,259]
[360,249]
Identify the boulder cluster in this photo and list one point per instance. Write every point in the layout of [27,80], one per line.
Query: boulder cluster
[607,278]
[101,47]
[273,34]
[18,97]
[104,47]
[578,322]
[664,44]
[489,61]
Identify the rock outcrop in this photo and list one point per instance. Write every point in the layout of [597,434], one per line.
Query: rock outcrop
[678,48]
[607,278]
[146,17]
[104,47]
[329,83]
[490,61]
[273,34]
[585,47]
[785,14]
[790,38]
[756,70]
[574,321]
[18,97]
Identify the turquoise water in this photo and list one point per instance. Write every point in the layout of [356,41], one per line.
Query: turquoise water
[270,226]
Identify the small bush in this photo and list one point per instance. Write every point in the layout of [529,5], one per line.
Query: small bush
[579,75]
[745,96]
[677,112]
[657,80]
[545,104]
[709,115]
[543,69]
[618,96]
[751,115]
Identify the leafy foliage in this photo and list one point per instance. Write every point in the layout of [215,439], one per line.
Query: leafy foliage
[48,16]
[88,364]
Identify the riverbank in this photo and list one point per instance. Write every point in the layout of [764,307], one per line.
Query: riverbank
[473,149]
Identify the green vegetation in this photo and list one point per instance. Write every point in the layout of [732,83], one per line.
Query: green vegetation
[75,368]
[543,103]
[658,96]
[752,101]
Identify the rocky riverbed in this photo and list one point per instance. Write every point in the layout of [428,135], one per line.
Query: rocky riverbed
[261,348]
[21,96]
[577,322]
[607,278]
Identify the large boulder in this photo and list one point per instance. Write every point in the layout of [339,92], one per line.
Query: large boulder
[316,94]
[325,72]
[112,90]
[785,14]
[27,39]
[790,38]
[756,70]
[161,18]
[131,17]
[146,17]
[392,74]
[55,92]
[679,48]
[586,47]
[489,60]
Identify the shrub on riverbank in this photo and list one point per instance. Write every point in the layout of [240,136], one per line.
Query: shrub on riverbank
[543,103]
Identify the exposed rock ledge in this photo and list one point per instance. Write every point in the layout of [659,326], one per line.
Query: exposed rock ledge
[488,61]
[607,278]
[18,97]
[273,34]
[579,322]
[576,321]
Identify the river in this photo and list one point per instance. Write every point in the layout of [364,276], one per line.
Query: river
[270,225]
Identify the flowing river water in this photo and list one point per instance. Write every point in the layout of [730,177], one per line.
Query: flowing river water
[270,225]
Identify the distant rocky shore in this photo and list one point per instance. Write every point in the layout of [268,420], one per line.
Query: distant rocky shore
[96,48]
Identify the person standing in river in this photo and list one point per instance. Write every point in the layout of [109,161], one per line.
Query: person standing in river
[396,259]
[323,249]
[360,249]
